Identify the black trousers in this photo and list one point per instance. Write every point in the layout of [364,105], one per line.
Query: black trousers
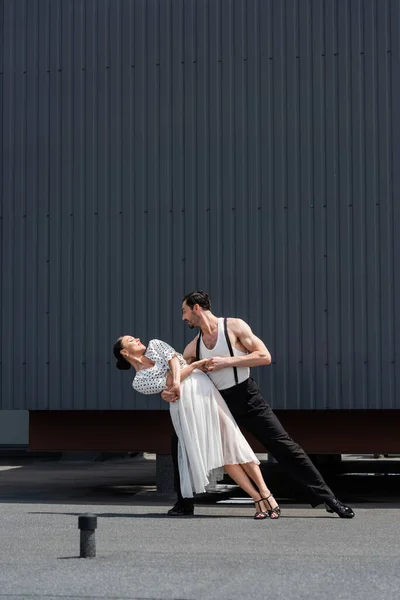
[251,411]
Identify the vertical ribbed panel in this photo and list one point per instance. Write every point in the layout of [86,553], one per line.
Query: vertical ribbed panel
[247,147]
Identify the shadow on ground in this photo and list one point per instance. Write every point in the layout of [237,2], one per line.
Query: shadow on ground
[132,481]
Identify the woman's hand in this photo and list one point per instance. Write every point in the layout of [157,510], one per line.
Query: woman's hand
[175,367]
[200,364]
[175,389]
[167,396]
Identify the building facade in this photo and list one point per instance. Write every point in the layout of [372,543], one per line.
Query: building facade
[248,148]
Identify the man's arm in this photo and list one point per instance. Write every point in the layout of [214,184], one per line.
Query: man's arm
[189,353]
[258,352]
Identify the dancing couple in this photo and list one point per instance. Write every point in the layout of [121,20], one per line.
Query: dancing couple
[210,392]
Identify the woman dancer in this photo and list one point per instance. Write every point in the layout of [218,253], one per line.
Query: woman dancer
[209,437]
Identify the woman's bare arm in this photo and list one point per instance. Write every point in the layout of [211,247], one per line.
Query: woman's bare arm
[175,367]
[184,373]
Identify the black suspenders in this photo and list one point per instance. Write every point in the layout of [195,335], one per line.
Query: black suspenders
[198,346]
[228,341]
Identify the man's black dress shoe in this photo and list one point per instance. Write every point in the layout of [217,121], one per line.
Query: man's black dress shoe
[180,511]
[335,506]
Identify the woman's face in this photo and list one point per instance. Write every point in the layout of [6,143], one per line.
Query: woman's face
[132,346]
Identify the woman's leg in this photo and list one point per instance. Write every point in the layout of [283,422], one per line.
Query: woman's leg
[238,475]
[254,473]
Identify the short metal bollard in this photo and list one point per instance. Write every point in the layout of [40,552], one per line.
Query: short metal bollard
[87,524]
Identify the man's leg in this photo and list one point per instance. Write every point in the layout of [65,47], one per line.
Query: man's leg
[184,506]
[266,427]
[251,410]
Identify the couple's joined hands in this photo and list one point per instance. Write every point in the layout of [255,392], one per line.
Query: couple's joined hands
[173,391]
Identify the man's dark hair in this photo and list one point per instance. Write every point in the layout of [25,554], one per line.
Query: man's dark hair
[198,297]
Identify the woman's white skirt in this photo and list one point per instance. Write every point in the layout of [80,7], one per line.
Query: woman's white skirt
[208,435]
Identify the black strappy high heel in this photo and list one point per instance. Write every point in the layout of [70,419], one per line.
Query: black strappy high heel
[273,513]
[260,514]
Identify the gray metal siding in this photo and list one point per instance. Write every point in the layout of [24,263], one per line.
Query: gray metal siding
[249,148]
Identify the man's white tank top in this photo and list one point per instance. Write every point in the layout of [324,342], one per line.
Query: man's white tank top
[225,378]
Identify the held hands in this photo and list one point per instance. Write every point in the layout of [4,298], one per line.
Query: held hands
[215,364]
[168,396]
[172,394]
[211,364]
[200,364]
[173,391]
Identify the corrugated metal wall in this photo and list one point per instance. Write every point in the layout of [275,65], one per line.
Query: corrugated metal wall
[250,148]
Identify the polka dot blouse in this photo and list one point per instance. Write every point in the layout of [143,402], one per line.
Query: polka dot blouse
[153,380]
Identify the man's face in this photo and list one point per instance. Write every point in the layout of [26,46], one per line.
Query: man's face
[190,315]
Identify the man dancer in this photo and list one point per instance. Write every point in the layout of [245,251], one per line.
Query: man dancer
[232,348]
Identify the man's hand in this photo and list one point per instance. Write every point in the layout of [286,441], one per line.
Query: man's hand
[168,396]
[216,363]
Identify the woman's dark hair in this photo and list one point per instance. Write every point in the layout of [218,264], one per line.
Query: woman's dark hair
[122,364]
[198,297]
